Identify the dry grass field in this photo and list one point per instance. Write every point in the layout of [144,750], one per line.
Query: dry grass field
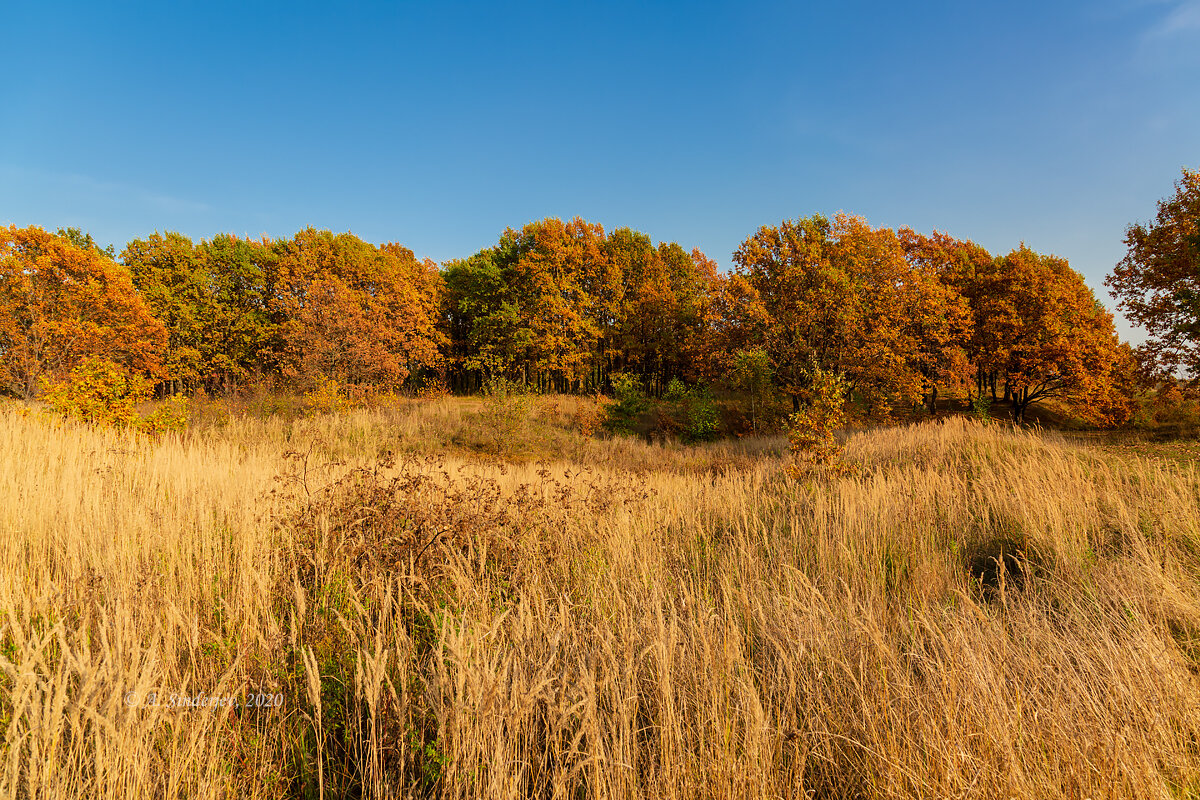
[409,602]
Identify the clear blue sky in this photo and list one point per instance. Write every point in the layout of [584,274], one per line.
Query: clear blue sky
[439,124]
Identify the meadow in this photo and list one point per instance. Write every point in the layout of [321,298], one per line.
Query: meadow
[443,599]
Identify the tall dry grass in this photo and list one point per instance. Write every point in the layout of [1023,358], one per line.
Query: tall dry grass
[976,613]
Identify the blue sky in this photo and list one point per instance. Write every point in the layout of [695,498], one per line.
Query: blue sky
[440,124]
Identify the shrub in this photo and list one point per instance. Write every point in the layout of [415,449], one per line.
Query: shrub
[750,373]
[1172,412]
[676,391]
[811,431]
[589,416]
[630,403]
[100,392]
[981,408]
[327,397]
[701,418]
[505,414]
[173,414]
[433,388]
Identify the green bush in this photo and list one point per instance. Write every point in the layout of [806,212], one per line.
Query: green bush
[750,374]
[701,417]
[676,391]
[630,403]
[981,408]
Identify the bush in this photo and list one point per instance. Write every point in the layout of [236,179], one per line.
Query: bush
[689,413]
[630,403]
[505,415]
[981,408]
[811,431]
[1170,411]
[173,414]
[701,418]
[676,391]
[100,392]
[751,374]
[589,416]
[327,397]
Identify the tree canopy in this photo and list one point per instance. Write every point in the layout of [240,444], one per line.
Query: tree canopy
[896,317]
[62,300]
[1157,283]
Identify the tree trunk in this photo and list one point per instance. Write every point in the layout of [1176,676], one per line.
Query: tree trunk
[933,400]
[1020,401]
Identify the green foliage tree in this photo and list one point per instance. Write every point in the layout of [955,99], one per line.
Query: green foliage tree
[169,276]
[212,298]
[84,241]
[240,336]
[486,334]
[751,376]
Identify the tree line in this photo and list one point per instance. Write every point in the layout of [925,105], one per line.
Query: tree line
[901,317]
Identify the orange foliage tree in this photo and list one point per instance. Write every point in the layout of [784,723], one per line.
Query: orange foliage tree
[1049,337]
[352,312]
[1158,281]
[953,348]
[662,322]
[843,297]
[1037,329]
[61,302]
[734,321]
[562,305]
[558,274]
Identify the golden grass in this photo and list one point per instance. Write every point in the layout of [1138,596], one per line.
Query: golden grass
[701,627]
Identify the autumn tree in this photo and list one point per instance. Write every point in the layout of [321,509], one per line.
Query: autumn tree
[949,350]
[59,303]
[641,341]
[666,289]
[733,320]
[540,306]
[555,269]
[1157,283]
[1049,337]
[563,305]
[212,298]
[841,297]
[353,312]
[806,299]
